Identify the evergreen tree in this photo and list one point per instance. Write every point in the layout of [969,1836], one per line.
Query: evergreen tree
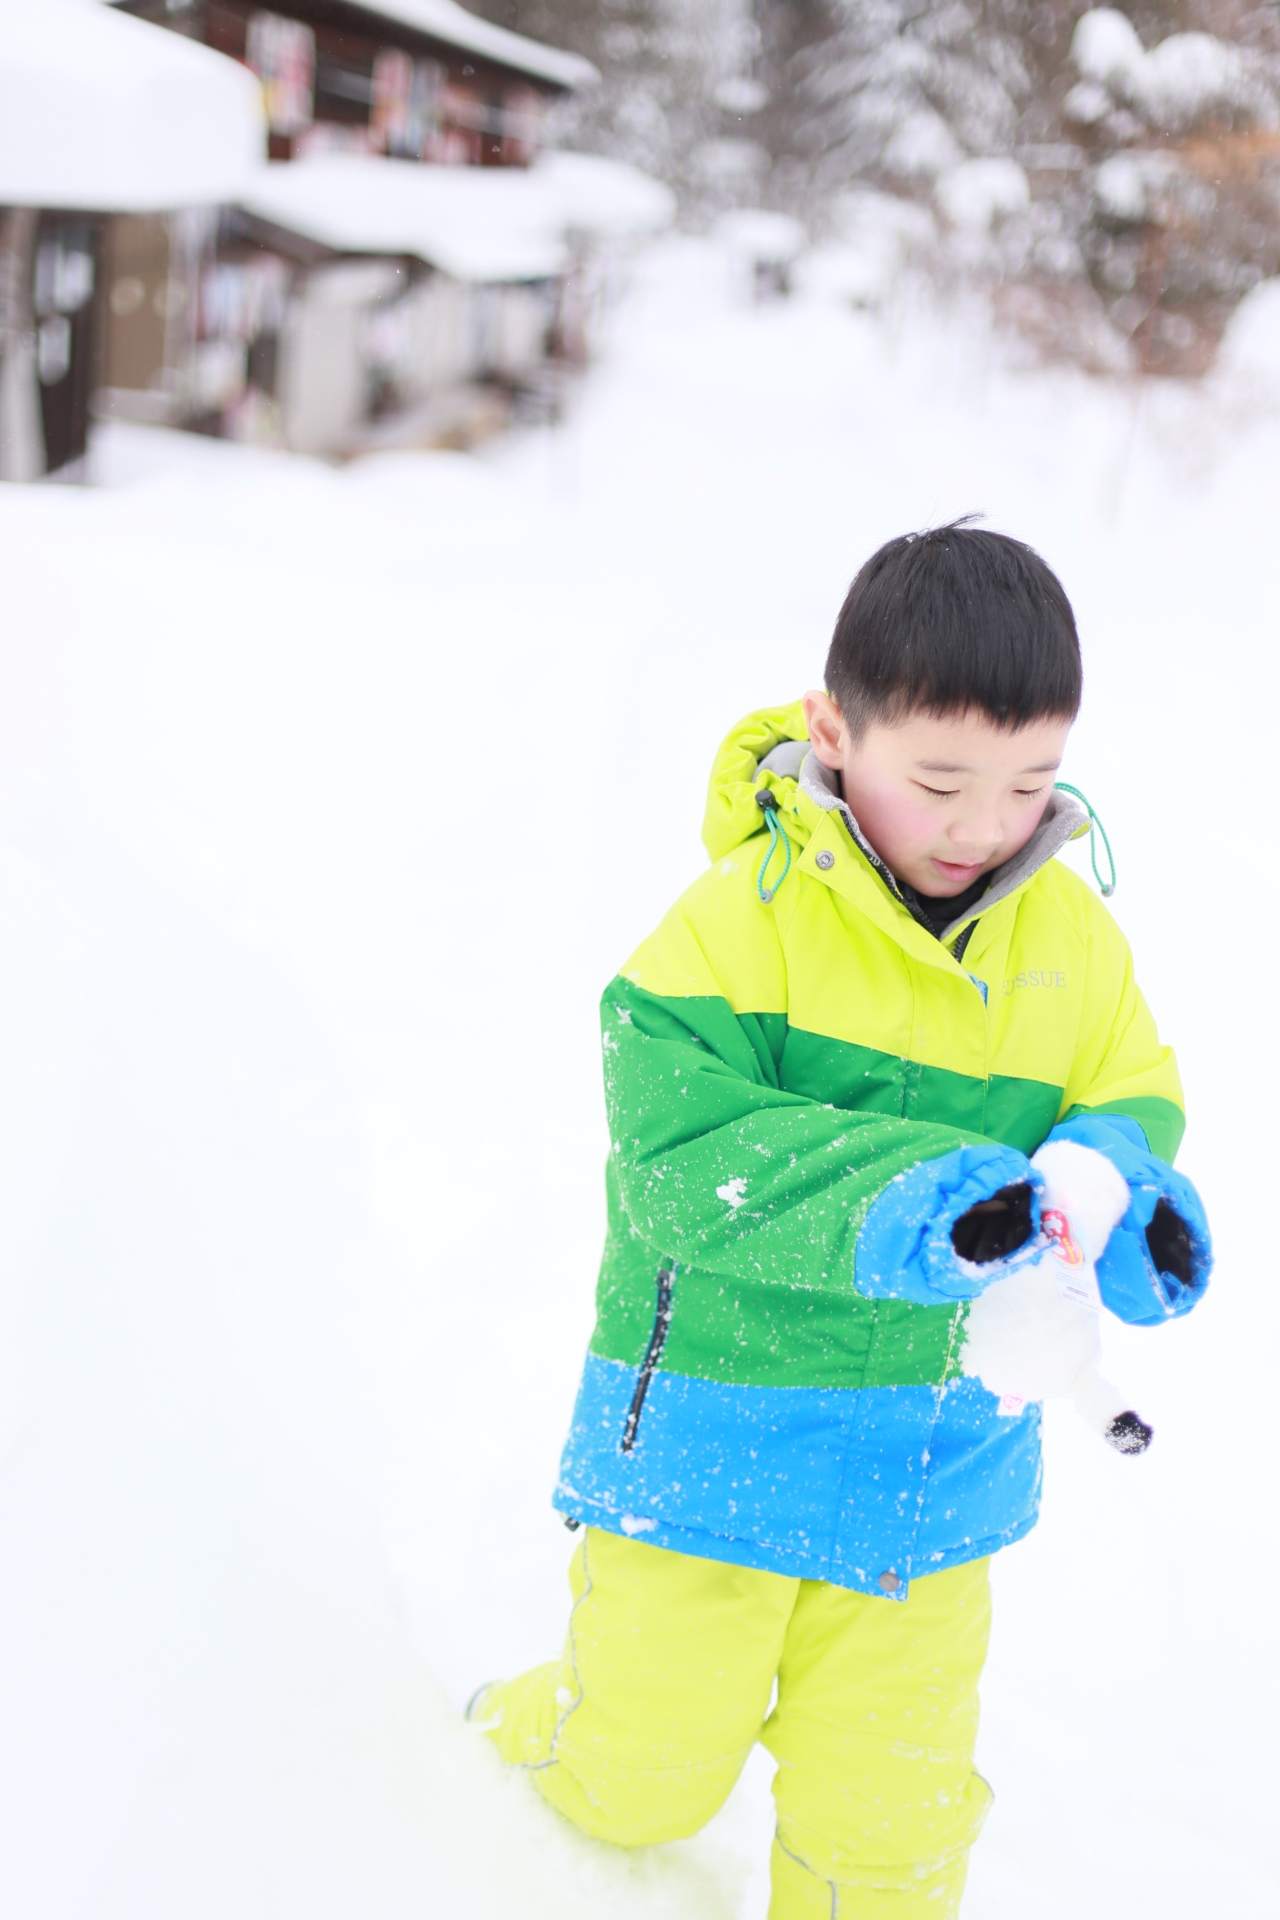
[700,92]
[1138,174]
[654,105]
[903,90]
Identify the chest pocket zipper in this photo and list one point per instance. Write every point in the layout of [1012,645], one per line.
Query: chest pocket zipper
[657,1341]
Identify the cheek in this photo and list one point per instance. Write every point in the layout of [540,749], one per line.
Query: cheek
[1023,826]
[897,822]
[1018,824]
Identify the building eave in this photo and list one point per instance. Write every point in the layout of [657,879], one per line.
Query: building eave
[449,25]
[452,25]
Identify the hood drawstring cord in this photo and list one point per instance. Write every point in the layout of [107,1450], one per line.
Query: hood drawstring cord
[768,805]
[1105,887]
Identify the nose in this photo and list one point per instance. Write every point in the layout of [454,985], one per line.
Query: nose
[977,837]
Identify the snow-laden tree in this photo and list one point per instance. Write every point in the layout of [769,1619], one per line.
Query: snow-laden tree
[904,90]
[662,63]
[1110,175]
[1113,177]
[1180,140]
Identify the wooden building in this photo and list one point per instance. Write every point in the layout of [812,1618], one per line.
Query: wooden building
[408,267]
[337,309]
[99,115]
[416,79]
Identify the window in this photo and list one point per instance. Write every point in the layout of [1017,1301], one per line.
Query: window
[283,55]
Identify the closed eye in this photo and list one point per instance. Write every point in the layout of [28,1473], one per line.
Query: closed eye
[1027,793]
[939,793]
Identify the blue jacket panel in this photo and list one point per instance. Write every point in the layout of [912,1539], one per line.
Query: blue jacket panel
[863,1488]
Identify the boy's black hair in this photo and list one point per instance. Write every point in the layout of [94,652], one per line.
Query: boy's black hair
[953,619]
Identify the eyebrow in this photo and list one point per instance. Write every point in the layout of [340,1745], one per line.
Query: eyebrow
[954,766]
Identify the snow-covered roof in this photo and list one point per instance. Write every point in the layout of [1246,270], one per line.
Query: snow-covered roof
[102,112]
[604,197]
[476,223]
[444,20]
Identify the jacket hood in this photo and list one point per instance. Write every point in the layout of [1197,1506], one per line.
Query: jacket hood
[732,814]
[771,749]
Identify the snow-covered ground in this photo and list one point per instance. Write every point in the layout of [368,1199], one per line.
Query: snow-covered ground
[330,800]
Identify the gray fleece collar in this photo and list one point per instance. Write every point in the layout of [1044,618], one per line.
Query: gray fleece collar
[1063,817]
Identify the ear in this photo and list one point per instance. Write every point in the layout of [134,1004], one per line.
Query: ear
[826,729]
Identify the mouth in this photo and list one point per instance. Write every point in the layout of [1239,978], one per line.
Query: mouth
[955,870]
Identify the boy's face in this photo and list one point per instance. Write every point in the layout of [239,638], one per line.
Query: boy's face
[941,799]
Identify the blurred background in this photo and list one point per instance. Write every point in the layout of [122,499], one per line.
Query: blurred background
[428,429]
[1106,181]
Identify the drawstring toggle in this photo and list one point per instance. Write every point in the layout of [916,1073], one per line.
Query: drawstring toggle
[767,802]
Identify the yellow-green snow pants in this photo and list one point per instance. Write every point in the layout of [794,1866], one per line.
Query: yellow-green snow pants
[639,1730]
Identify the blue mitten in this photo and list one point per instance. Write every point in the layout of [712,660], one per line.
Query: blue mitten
[945,1229]
[1158,1260]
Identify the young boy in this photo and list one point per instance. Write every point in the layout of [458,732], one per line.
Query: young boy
[826,1072]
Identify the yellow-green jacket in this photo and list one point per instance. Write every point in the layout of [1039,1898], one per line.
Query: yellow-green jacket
[806,1087]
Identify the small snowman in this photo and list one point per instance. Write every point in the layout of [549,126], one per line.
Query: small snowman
[1036,1334]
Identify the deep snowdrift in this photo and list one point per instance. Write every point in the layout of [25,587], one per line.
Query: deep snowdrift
[330,801]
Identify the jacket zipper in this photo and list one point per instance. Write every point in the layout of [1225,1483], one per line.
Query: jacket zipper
[965,936]
[891,882]
[657,1341]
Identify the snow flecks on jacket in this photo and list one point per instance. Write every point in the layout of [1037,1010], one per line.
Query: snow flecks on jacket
[805,1412]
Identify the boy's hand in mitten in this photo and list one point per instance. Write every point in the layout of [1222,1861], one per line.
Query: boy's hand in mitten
[1159,1256]
[947,1228]
[996,1228]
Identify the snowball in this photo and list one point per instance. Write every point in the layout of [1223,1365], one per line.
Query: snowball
[1081,1183]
